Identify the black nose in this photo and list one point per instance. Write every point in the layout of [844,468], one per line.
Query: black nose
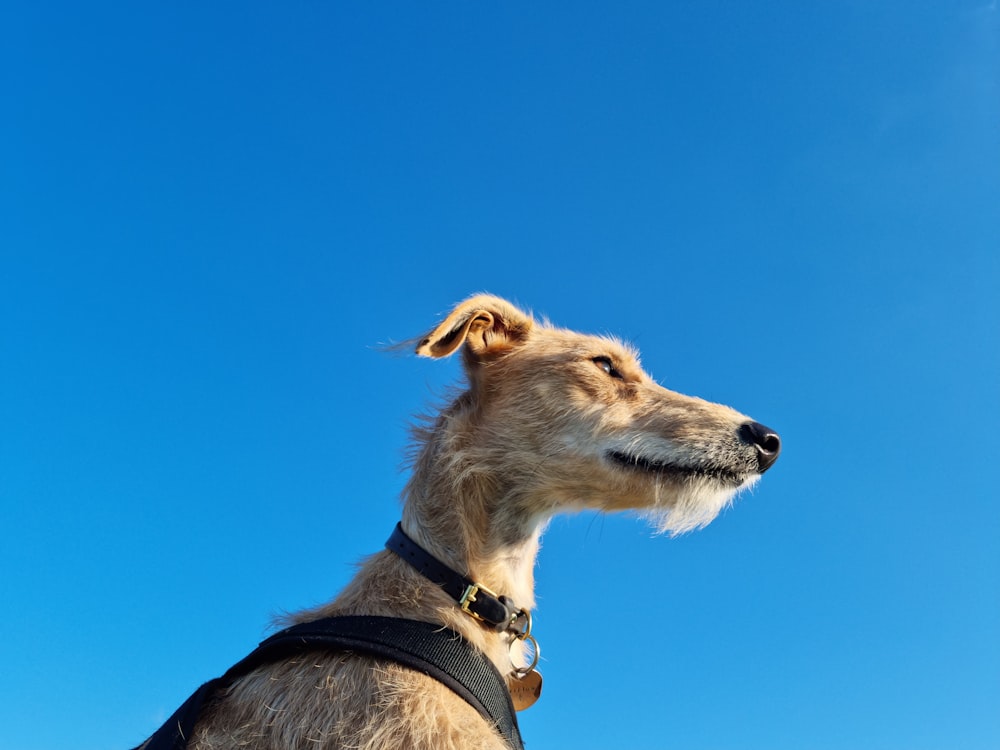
[765,440]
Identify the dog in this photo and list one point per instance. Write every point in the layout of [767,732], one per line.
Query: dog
[550,421]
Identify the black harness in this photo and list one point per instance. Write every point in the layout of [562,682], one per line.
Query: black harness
[429,648]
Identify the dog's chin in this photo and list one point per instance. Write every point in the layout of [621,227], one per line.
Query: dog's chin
[712,476]
[685,497]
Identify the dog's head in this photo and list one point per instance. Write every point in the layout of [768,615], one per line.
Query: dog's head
[565,420]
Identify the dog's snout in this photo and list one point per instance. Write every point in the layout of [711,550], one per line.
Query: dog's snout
[765,440]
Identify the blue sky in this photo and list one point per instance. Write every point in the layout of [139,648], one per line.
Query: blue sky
[212,216]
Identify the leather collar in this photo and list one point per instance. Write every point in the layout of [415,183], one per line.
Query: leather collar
[493,610]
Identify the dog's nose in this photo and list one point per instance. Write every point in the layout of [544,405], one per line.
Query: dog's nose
[765,440]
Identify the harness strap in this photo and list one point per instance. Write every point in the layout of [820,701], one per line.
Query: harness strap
[428,648]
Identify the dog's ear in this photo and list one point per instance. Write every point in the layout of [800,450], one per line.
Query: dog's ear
[487,325]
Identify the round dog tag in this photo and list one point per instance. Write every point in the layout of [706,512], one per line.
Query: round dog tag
[524,690]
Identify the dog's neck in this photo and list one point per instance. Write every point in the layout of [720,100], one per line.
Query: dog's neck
[505,565]
[476,515]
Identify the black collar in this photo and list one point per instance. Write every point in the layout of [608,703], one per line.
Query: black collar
[495,611]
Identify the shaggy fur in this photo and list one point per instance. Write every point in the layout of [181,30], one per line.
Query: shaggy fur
[551,421]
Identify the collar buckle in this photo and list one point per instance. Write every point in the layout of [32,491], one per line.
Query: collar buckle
[469,596]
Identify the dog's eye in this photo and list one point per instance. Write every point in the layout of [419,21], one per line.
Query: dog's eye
[605,364]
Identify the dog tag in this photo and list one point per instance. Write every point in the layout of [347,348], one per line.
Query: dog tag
[524,691]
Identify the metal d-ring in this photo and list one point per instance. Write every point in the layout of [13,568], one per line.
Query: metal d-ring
[526,631]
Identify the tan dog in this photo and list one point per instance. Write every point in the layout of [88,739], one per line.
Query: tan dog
[551,421]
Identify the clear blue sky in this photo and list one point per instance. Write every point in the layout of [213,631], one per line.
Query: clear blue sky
[212,215]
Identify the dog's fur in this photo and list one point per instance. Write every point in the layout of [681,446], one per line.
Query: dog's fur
[551,421]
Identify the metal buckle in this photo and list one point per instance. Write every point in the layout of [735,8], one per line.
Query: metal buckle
[470,596]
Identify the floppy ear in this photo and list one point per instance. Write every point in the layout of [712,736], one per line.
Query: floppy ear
[487,325]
